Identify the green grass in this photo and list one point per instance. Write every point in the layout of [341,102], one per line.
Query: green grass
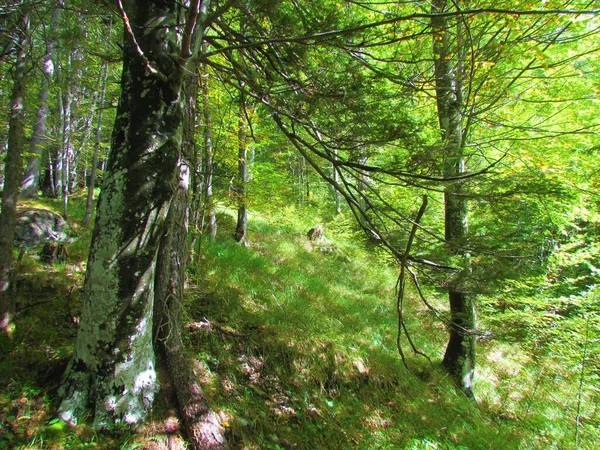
[296,349]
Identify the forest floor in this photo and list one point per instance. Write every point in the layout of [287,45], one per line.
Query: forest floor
[295,346]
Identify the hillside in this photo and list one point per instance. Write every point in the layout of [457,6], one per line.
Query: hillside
[295,345]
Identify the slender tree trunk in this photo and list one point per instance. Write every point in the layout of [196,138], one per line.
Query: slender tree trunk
[97,142]
[78,163]
[31,179]
[13,168]
[208,156]
[336,177]
[69,163]
[459,358]
[201,423]
[242,178]
[67,148]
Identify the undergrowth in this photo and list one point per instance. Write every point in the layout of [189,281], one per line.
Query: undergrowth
[295,346]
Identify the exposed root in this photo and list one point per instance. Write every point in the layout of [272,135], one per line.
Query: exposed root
[201,424]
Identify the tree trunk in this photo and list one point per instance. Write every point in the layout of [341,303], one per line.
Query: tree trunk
[459,358]
[13,168]
[68,156]
[208,156]
[136,266]
[31,179]
[113,369]
[336,177]
[97,142]
[201,423]
[66,149]
[242,178]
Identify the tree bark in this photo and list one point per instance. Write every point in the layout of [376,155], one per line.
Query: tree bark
[68,155]
[201,424]
[13,169]
[459,358]
[31,178]
[113,369]
[137,259]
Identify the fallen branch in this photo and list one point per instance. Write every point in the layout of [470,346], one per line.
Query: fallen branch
[206,324]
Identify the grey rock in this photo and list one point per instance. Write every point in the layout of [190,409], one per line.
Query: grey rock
[39,226]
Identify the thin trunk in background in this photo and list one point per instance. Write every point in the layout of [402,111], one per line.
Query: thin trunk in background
[459,358]
[208,155]
[31,178]
[242,176]
[13,168]
[71,87]
[66,147]
[97,142]
[336,179]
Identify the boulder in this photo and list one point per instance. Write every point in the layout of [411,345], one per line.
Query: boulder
[36,227]
[40,227]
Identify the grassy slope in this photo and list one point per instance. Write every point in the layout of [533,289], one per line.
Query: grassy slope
[296,348]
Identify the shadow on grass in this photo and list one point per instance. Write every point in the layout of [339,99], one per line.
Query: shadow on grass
[298,351]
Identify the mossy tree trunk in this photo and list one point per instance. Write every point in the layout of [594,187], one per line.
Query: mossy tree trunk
[113,370]
[459,358]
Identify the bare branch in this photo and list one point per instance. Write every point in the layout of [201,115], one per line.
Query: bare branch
[401,289]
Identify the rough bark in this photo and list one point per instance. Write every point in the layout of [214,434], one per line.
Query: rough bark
[201,424]
[12,173]
[459,358]
[31,178]
[113,369]
[137,260]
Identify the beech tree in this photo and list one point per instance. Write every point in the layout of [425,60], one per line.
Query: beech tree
[113,370]
[448,53]
[378,71]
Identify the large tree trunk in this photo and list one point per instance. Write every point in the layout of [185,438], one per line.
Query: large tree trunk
[31,178]
[12,173]
[136,266]
[113,369]
[459,358]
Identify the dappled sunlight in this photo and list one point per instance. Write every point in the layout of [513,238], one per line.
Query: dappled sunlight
[302,349]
